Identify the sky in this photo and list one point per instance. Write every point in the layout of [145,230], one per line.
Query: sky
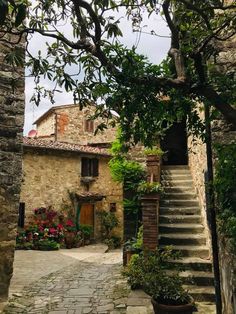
[154,47]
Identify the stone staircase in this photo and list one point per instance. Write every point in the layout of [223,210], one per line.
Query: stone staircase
[180,225]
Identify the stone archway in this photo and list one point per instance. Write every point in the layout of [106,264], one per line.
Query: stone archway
[11,127]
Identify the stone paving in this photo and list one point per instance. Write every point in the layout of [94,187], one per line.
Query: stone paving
[83,281]
[77,281]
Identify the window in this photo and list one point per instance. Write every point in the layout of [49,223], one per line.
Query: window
[112,207]
[89,126]
[89,167]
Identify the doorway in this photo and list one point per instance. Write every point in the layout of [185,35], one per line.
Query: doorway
[174,144]
[87,215]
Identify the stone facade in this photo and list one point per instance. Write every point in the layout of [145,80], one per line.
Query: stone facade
[222,133]
[11,128]
[68,124]
[50,174]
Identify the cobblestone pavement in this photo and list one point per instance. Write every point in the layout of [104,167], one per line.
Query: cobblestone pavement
[77,281]
[91,285]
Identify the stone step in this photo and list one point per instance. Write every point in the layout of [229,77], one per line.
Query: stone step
[175,167]
[180,196]
[175,171]
[177,183]
[201,293]
[183,228]
[179,190]
[182,239]
[176,177]
[180,218]
[199,278]
[182,203]
[194,263]
[201,251]
[179,210]
[192,277]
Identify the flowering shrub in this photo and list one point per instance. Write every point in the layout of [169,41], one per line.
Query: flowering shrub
[48,230]
[44,230]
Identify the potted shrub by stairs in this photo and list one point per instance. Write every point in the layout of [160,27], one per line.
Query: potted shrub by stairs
[150,271]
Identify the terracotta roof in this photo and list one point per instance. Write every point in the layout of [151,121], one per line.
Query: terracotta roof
[62,146]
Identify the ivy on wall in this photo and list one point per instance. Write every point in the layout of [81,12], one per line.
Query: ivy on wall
[225,188]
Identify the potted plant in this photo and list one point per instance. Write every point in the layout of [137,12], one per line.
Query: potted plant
[151,271]
[86,231]
[150,188]
[153,154]
[133,246]
[71,235]
[129,250]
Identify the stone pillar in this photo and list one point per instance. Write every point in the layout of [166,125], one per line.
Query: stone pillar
[150,210]
[11,127]
[150,205]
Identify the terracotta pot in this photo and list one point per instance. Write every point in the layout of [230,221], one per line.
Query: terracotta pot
[70,238]
[171,309]
[129,254]
[153,158]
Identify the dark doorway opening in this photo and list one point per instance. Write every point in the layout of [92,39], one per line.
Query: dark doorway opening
[174,144]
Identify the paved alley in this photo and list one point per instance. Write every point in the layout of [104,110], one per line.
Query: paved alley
[84,280]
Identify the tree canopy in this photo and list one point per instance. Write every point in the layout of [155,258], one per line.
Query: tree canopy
[143,94]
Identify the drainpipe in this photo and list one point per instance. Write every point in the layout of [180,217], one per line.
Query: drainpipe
[212,210]
[56,126]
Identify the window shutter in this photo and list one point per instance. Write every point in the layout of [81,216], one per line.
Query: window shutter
[89,126]
[84,167]
[95,167]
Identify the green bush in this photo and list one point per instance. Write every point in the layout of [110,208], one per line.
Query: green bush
[113,243]
[154,151]
[149,187]
[108,222]
[150,270]
[47,245]
[86,230]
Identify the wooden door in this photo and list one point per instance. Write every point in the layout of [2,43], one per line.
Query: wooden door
[87,214]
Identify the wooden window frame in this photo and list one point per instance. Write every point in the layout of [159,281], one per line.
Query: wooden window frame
[89,167]
[89,126]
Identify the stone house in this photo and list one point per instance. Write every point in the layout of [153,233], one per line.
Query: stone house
[66,158]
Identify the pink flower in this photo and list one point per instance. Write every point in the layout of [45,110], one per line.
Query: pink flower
[52,230]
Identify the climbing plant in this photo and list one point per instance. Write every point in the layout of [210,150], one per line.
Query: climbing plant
[225,188]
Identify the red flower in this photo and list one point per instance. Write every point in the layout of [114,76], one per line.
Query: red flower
[70,223]
[60,226]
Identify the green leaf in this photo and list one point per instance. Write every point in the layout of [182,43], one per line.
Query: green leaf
[21,14]
[3,11]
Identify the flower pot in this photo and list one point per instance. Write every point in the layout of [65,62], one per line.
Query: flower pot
[70,239]
[158,308]
[151,158]
[129,254]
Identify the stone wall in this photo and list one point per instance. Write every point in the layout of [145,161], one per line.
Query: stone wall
[47,126]
[223,134]
[11,127]
[51,174]
[198,167]
[69,123]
